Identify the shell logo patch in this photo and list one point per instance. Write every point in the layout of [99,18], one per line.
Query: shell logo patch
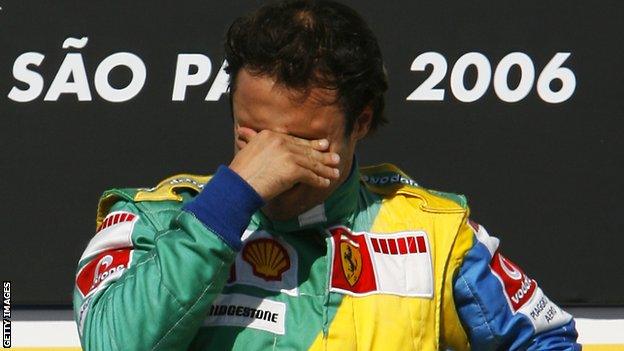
[351,260]
[267,257]
[267,262]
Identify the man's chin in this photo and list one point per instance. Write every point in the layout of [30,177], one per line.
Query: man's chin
[291,203]
[276,213]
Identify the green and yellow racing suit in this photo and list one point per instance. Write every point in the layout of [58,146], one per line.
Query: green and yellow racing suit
[383,264]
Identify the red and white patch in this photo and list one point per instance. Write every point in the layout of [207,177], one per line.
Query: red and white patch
[518,287]
[115,218]
[525,296]
[115,232]
[370,263]
[104,268]
[400,246]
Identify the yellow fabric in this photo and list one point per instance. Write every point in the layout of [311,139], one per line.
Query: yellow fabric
[166,189]
[387,322]
[605,347]
[452,333]
[106,202]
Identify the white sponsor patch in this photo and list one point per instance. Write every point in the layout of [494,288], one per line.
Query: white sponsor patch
[267,270]
[240,310]
[543,313]
[405,269]
[114,233]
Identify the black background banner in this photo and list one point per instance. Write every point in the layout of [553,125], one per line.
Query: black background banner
[543,173]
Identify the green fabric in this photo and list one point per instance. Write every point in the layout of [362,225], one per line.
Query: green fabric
[457,198]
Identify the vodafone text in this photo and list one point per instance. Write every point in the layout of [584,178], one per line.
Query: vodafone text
[520,293]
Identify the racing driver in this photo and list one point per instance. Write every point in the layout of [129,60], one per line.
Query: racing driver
[293,246]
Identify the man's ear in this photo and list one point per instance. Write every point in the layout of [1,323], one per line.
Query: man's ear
[362,124]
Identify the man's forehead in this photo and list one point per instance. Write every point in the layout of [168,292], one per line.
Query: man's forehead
[258,87]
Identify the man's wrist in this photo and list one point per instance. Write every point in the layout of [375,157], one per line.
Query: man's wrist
[226,205]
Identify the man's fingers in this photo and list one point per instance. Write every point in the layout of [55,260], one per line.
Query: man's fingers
[320,145]
[291,160]
[245,134]
[327,158]
[308,177]
[317,167]
[316,144]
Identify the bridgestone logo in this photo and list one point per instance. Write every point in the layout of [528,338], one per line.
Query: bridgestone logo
[239,310]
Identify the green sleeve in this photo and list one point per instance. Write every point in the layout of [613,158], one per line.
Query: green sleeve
[161,299]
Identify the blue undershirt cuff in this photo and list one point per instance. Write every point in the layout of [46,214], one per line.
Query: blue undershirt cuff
[225,206]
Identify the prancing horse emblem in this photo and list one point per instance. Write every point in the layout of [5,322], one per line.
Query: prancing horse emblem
[351,260]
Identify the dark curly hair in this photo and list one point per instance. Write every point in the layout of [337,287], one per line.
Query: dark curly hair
[307,43]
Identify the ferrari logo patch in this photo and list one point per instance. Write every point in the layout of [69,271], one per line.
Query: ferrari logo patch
[351,260]
[352,269]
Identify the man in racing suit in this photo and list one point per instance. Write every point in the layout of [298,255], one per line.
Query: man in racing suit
[293,246]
